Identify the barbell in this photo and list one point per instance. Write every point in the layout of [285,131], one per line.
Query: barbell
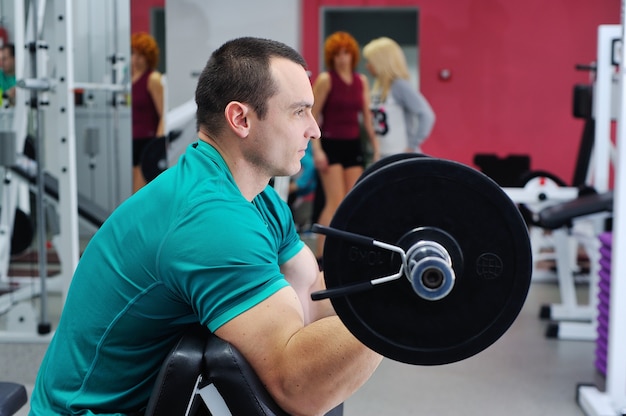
[426,261]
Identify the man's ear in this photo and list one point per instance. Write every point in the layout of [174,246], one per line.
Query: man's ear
[237,118]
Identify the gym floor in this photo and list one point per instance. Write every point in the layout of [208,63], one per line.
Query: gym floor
[523,373]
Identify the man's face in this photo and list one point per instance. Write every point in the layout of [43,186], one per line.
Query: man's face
[7,61]
[278,142]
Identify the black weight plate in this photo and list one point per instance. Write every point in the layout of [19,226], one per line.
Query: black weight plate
[494,276]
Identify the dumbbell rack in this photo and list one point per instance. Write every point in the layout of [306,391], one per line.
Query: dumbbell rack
[604,293]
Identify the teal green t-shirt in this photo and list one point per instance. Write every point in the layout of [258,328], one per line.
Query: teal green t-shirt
[6,81]
[186,248]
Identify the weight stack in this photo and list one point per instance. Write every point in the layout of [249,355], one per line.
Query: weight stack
[604,295]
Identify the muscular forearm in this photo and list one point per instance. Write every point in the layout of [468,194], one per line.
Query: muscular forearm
[319,363]
[308,369]
[327,365]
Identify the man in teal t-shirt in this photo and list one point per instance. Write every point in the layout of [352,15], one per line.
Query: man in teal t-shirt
[182,267]
[209,241]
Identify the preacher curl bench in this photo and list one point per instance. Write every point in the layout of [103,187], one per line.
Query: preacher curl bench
[206,376]
[12,397]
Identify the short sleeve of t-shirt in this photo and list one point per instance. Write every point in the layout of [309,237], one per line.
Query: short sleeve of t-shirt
[224,257]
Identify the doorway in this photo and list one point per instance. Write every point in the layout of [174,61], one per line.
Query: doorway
[367,23]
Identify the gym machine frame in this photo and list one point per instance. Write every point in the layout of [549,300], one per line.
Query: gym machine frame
[612,402]
[604,112]
[571,320]
[64,135]
[60,137]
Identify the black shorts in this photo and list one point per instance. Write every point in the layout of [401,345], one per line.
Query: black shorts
[346,152]
[138,146]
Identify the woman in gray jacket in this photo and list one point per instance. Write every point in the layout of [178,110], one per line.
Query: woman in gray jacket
[403,118]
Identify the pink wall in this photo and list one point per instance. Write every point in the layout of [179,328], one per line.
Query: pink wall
[140,14]
[512,65]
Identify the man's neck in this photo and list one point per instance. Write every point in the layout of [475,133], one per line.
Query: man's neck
[247,178]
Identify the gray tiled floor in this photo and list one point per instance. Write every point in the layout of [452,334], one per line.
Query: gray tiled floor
[523,373]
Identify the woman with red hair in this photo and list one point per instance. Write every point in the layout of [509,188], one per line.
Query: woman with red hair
[341,97]
[147,99]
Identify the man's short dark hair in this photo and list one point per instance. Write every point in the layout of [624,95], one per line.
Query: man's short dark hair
[239,71]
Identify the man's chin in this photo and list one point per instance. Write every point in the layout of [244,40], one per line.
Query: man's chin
[294,170]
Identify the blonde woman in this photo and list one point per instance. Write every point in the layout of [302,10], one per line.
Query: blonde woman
[403,118]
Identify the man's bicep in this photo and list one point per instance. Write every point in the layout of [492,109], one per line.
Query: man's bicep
[302,273]
[301,270]
[262,332]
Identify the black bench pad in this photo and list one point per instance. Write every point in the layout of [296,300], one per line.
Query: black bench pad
[559,215]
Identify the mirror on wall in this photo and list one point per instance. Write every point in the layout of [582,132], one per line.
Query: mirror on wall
[157,30]
[99,33]
[367,23]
